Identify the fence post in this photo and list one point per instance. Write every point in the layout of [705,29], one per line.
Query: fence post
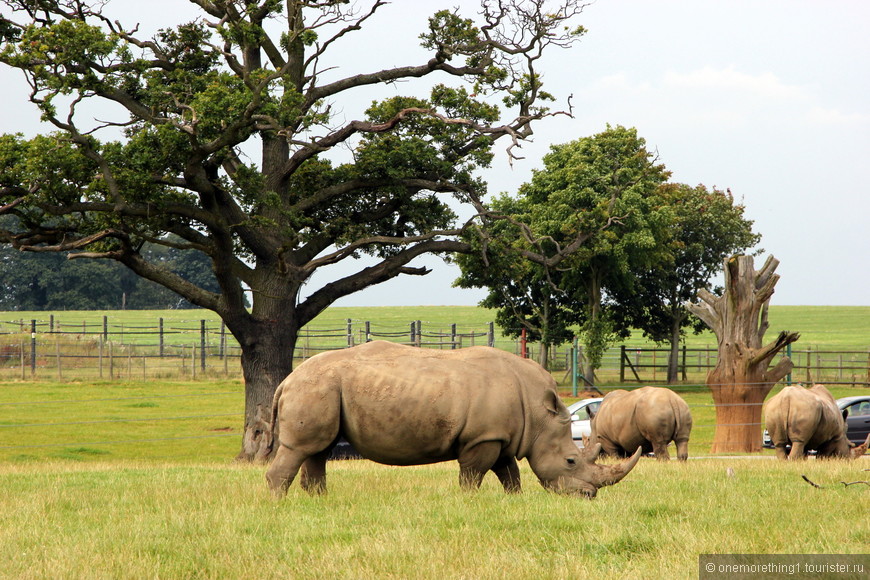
[32,347]
[102,342]
[57,357]
[419,333]
[51,323]
[413,333]
[105,327]
[685,375]
[161,336]
[349,333]
[453,336]
[202,345]
[523,352]
[491,338]
[368,331]
[621,363]
[809,364]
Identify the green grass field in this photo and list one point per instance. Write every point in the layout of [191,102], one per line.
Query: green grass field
[133,520]
[136,480]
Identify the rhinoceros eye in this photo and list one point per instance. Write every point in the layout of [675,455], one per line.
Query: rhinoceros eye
[572,461]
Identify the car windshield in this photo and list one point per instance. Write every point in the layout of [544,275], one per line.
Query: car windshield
[586,410]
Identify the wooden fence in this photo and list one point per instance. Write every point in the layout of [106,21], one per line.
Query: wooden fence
[46,349]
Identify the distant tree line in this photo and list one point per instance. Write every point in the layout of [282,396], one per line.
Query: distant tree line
[51,281]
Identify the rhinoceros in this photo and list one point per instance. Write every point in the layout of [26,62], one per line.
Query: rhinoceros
[401,405]
[808,419]
[649,417]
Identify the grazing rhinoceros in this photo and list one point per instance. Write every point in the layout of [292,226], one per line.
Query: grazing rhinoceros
[401,405]
[808,419]
[649,417]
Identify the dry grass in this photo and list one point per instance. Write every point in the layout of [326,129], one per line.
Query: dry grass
[134,520]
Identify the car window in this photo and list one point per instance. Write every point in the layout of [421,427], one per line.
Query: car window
[592,408]
[859,409]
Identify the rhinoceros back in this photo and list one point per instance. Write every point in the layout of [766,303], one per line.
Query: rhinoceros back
[402,406]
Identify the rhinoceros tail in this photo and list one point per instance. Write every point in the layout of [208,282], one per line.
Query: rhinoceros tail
[274,420]
[677,412]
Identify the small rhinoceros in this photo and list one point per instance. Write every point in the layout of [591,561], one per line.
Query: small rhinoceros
[649,417]
[808,419]
[400,405]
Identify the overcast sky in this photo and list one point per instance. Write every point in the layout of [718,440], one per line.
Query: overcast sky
[770,99]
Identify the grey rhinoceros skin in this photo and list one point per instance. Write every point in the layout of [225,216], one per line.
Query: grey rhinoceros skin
[808,419]
[400,405]
[648,417]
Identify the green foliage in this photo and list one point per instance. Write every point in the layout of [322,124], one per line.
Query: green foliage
[598,194]
[708,227]
[597,335]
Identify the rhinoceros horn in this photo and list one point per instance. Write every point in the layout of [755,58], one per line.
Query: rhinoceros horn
[860,450]
[609,474]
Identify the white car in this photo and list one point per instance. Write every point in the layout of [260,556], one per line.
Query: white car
[581,418]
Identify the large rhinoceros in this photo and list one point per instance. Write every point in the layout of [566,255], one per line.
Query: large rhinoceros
[401,405]
[808,419]
[649,417]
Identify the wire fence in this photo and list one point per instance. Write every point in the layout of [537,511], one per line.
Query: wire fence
[51,349]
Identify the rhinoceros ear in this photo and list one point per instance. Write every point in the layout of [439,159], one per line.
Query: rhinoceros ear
[551,402]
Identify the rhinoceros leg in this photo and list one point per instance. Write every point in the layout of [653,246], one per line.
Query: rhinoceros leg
[610,448]
[682,449]
[508,473]
[284,468]
[475,461]
[797,450]
[660,450]
[313,475]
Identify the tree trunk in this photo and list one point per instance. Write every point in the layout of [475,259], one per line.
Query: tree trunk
[741,379]
[593,306]
[267,359]
[674,355]
[544,356]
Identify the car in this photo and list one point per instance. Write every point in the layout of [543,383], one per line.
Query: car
[581,417]
[856,411]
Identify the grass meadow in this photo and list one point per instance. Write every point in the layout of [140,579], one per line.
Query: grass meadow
[143,520]
[136,479]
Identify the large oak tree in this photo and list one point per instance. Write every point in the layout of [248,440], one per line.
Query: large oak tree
[229,133]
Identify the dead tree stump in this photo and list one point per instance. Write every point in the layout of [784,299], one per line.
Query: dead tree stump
[742,377]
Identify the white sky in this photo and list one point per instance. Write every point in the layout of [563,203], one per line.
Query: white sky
[770,99]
